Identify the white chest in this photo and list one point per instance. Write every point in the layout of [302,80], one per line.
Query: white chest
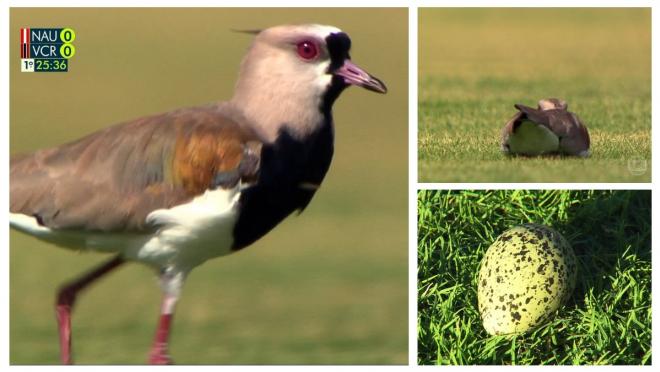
[191,233]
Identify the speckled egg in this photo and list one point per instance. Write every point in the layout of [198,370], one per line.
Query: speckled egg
[525,275]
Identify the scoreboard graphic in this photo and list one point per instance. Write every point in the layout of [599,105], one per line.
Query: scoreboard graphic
[47,49]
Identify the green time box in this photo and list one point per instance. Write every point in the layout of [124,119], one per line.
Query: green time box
[44,65]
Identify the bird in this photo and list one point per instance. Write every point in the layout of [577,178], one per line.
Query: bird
[176,189]
[548,129]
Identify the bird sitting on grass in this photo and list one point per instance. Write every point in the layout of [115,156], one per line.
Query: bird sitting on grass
[548,129]
[174,190]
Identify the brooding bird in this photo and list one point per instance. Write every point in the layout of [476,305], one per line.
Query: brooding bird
[548,129]
[174,190]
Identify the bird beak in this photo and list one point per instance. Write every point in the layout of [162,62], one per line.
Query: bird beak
[353,75]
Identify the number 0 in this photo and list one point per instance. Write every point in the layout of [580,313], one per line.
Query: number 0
[67,50]
[67,35]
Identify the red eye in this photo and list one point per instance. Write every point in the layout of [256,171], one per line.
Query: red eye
[307,50]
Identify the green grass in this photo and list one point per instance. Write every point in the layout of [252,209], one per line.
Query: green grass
[608,318]
[301,295]
[474,64]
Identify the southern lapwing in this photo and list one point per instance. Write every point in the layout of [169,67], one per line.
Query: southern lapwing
[548,129]
[174,190]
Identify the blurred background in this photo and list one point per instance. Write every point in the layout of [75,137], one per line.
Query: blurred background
[476,63]
[326,287]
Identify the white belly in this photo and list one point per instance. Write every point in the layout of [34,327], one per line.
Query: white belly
[187,234]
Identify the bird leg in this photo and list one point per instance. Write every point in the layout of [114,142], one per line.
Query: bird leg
[66,297]
[171,284]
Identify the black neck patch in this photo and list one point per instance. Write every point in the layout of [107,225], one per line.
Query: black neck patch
[287,165]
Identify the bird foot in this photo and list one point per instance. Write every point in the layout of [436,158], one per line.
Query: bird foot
[160,359]
[160,356]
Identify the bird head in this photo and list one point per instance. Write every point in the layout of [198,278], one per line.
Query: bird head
[314,53]
[297,72]
[552,104]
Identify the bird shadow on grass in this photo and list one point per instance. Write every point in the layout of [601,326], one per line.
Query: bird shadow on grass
[550,155]
[611,236]
[604,230]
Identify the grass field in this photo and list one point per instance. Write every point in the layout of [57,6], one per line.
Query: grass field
[326,287]
[608,318]
[474,64]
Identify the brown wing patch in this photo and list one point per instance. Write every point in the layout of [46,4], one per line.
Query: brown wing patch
[200,154]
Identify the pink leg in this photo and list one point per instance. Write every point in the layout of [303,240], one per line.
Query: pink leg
[159,353]
[66,297]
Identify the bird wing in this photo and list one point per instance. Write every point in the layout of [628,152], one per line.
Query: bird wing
[537,116]
[582,129]
[561,122]
[573,133]
[112,179]
[565,123]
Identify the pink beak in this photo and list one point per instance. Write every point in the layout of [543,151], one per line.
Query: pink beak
[354,75]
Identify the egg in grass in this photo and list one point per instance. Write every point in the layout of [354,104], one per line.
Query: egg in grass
[525,276]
